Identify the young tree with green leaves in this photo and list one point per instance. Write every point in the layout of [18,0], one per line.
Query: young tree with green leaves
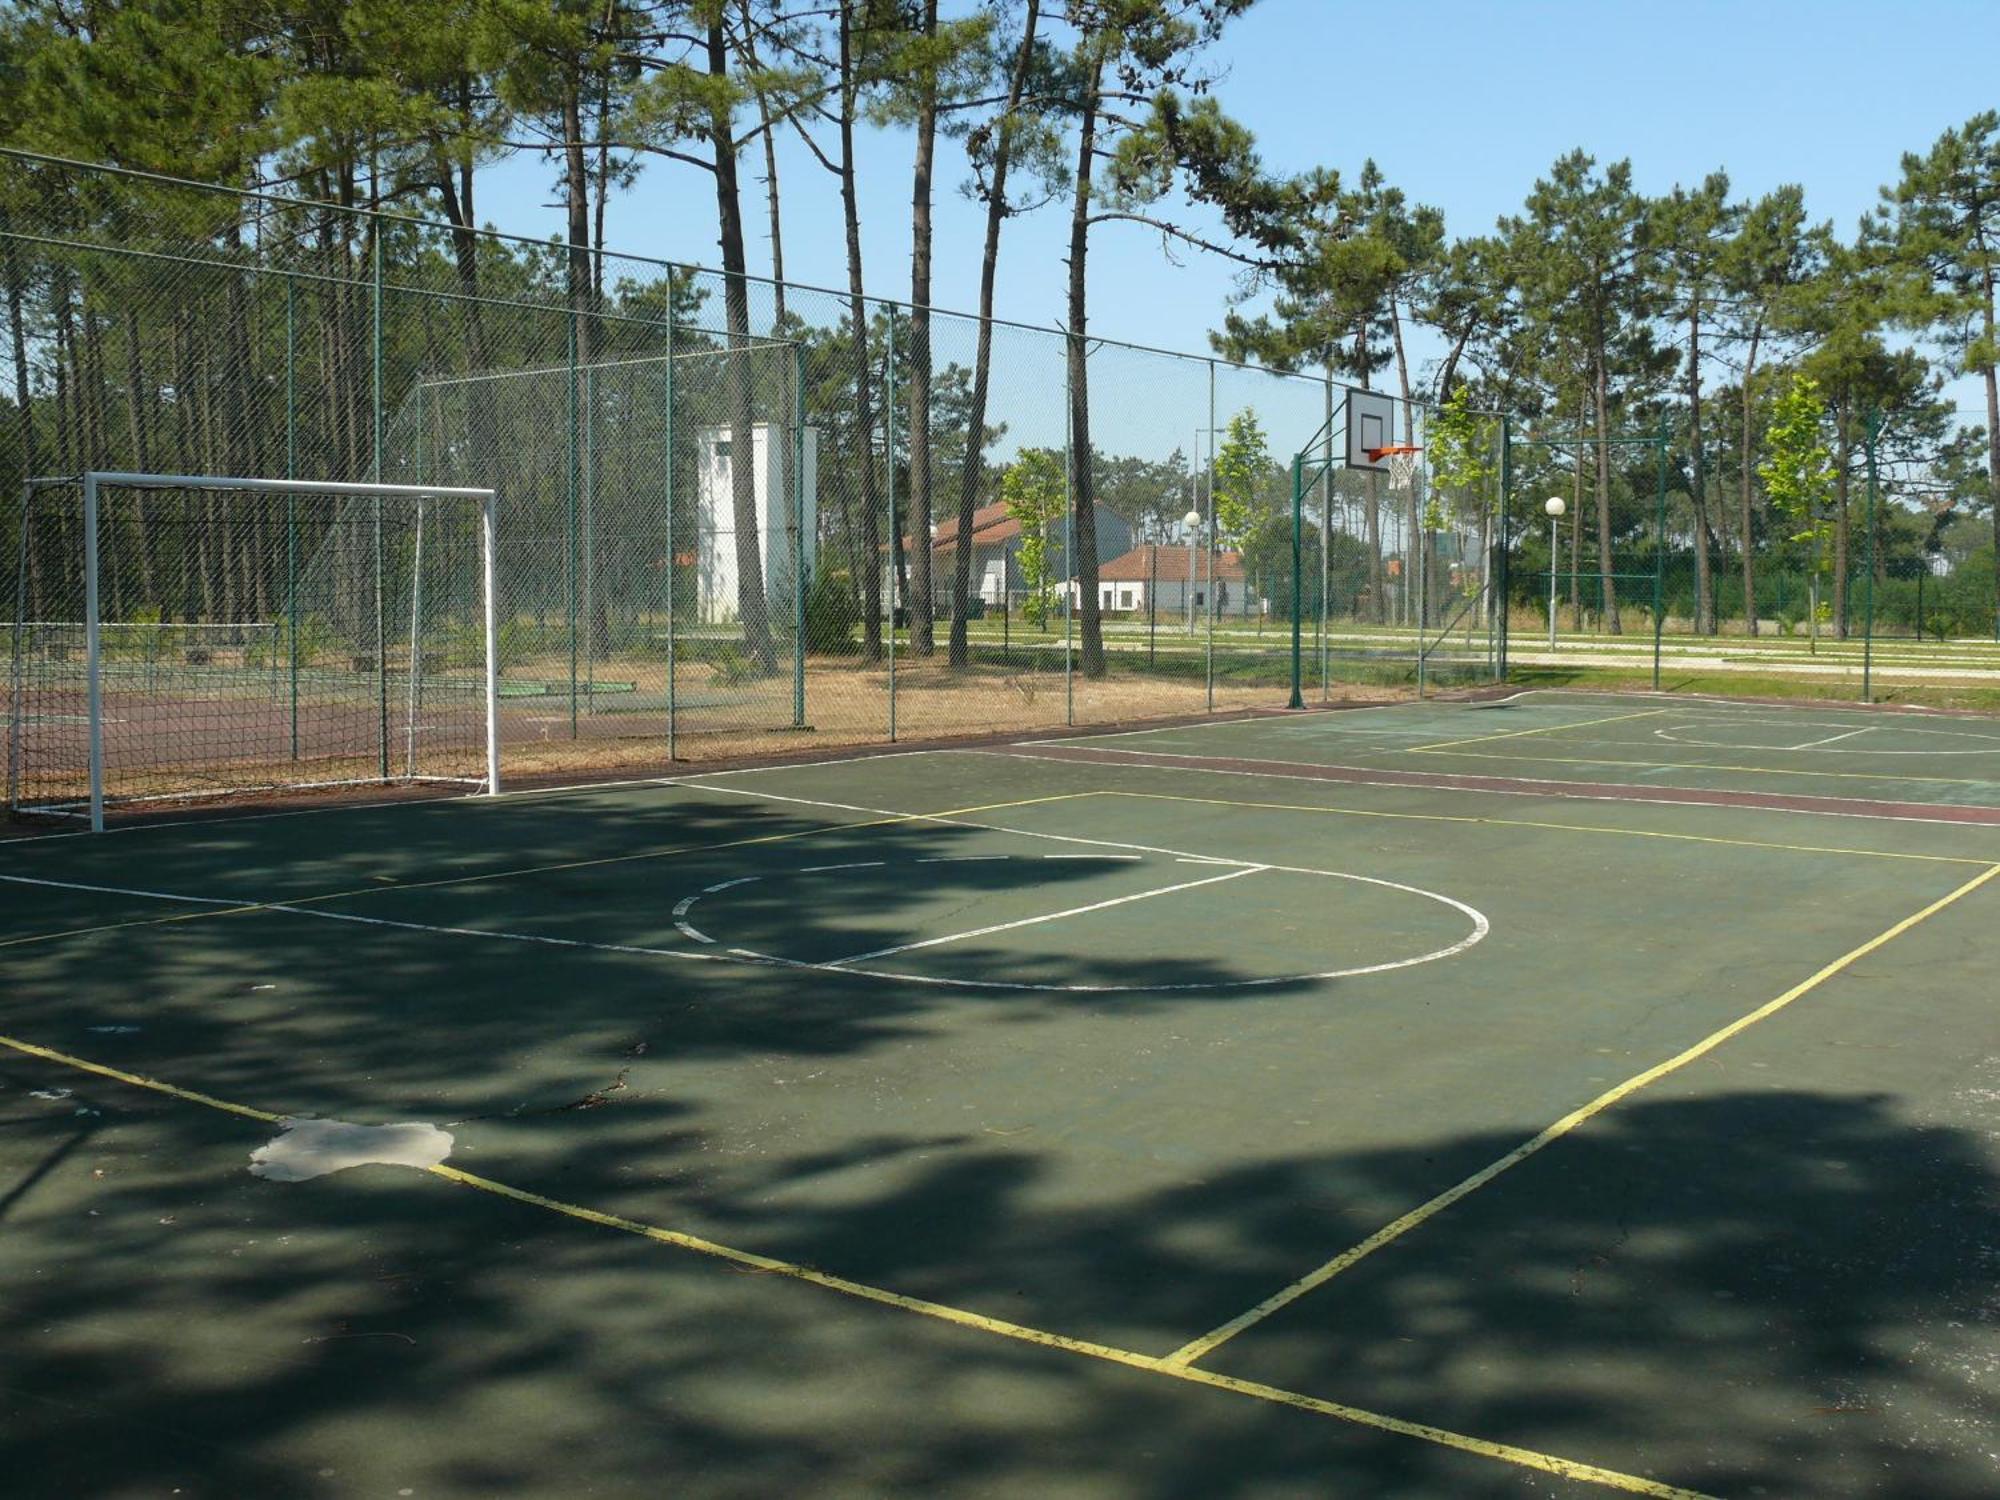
[1461,450]
[1798,475]
[1033,489]
[1242,470]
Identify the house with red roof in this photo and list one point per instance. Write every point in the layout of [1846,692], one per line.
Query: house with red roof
[996,548]
[1155,576]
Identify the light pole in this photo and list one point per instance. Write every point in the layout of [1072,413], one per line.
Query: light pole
[1553,507]
[1192,521]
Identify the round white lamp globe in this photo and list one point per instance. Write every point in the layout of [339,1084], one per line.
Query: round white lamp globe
[1553,506]
[1192,520]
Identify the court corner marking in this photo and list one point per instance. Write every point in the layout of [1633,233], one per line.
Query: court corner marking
[1199,1348]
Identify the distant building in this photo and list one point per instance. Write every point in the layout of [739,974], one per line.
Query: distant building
[785,539]
[996,552]
[1126,582]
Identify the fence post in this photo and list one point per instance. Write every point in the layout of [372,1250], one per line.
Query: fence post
[889,490]
[93,653]
[1660,554]
[1502,570]
[1298,581]
[1870,429]
[673,560]
[570,487]
[1326,551]
[798,537]
[587,574]
[375,473]
[1208,668]
[292,503]
[1070,585]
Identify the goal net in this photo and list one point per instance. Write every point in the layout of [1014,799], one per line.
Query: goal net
[184,636]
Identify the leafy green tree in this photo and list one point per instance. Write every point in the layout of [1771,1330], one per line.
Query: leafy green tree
[1242,471]
[1943,216]
[1033,489]
[1798,474]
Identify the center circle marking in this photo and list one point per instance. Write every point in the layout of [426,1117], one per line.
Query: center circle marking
[1477,923]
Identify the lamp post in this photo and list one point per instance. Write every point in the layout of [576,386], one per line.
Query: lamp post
[1192,521]
[1553,507]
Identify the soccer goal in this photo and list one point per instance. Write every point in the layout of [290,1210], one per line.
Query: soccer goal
[178,636]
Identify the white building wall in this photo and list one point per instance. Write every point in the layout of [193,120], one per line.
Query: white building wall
[784,545]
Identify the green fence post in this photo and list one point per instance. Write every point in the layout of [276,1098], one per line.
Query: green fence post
[1503,531]
[1298,582]
[1070,584]
[1326,550]
[1870,429]
[292,502]
[1209,651]
[569,491]
[798,537]
[587,574]
[375,469]
[673,562]
[1660,556]
[889,489]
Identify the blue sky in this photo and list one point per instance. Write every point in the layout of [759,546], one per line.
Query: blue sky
[1463,105]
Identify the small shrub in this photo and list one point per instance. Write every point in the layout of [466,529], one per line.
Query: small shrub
[831,616]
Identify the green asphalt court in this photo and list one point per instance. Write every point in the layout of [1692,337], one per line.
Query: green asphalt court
[1554,1094]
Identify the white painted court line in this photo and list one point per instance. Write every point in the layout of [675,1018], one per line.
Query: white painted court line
[1835,738]
[1547,788]
[1054,916]
[114,890]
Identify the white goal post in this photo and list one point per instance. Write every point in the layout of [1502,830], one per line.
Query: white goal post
[220,717]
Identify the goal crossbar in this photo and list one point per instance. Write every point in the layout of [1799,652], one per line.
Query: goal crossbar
[92,481]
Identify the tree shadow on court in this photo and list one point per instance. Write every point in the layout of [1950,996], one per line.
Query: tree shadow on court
[412,1005]
[1780,1292]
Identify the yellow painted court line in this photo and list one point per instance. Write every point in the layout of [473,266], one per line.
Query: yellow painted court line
[1601,828]
[574,864]
[1699,765]
[1517,734]
[1424,1212]
[1526,1458]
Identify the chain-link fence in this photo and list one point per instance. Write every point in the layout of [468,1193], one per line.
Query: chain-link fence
[735,517]
[1645,578]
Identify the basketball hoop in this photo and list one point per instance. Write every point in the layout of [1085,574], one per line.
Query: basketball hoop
[1402,460]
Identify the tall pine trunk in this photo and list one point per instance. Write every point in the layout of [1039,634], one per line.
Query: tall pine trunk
[751,605]
[870,564]
[972,469]
[922,604]
[1704,537]
[1600,400]
[1082,565]
[1748,537]
[1843,455]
